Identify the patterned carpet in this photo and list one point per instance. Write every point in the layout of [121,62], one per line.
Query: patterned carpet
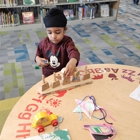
[107,42]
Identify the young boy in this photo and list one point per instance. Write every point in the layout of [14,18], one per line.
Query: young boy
[57,49]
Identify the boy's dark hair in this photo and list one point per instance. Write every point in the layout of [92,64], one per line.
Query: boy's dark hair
[55,18]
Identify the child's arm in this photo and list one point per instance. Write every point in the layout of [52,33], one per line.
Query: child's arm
[39,57]
[74,57]
[70,67]
[41,61]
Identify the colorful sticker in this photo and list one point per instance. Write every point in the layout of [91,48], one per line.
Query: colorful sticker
[96,129]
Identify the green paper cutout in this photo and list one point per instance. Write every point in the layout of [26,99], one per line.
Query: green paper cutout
[62,134]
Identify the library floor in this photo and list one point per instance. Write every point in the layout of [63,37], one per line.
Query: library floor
[107,42]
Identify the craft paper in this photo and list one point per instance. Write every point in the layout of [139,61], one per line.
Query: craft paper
[56,135]
[85,106]
[136,94]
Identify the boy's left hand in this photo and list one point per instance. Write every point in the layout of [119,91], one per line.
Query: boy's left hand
[70,67]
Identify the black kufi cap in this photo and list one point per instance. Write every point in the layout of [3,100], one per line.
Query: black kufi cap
[55,18]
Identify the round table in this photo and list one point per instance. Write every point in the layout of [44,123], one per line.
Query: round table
[112,85]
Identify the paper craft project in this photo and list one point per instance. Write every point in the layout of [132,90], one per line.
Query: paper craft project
[89,106]
[136,94]
[56,135]
[101,131]
[85,106]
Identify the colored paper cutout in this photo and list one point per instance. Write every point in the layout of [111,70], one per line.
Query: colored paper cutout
[60,93]
[78,109]
[97,77]
[85,106]
[136,94]
[56,135]
[101,131]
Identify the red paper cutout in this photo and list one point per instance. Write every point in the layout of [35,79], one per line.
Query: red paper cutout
[60,93]
[97,77]
[54,102]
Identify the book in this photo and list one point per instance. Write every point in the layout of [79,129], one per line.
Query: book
[15,2]
[4,19]
[80,9]
[9,18]
[7,3]
[29,2]
[16,19]
[1,3]
[11,2]
[44,2]
[55,1]
[1,21]
[104,10]
[56,135]
[69,14]
[28,17]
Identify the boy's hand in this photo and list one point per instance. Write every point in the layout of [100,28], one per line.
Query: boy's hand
[70,67]
[42,61]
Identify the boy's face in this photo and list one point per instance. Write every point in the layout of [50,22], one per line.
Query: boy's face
[56,34]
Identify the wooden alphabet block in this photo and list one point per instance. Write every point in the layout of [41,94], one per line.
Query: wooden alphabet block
[45,85]
[65,80]
[75,80]
[58,77]
[76,77]
[86,74]
[55,83]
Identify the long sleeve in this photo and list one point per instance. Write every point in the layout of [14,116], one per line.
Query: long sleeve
[73,51]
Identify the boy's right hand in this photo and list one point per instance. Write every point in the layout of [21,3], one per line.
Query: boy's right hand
[42,62]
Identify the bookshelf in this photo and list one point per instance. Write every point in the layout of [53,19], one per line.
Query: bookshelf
[113,10]
[39,9]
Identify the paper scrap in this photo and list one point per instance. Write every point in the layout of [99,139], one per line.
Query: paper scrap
[136,94]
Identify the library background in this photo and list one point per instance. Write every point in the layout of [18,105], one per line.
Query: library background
[18,13]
